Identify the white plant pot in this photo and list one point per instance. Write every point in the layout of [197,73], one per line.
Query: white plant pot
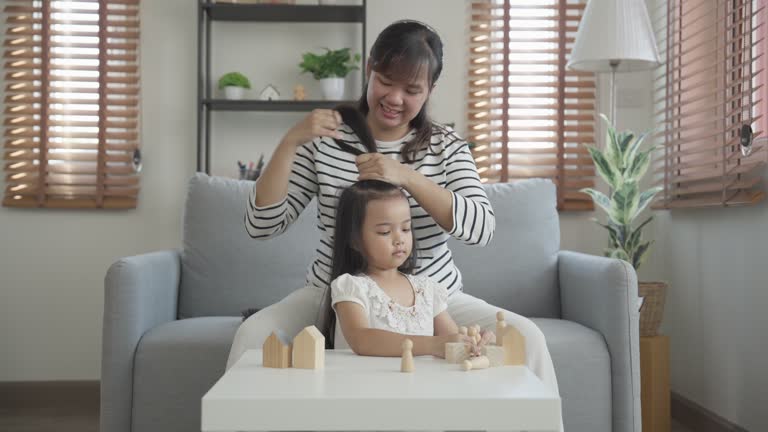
[333,88]
[233,93]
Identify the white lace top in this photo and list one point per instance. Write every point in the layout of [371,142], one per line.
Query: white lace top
[384,313]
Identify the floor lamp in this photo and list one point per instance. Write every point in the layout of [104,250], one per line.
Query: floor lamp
[614,36]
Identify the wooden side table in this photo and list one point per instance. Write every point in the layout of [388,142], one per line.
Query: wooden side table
[654,383]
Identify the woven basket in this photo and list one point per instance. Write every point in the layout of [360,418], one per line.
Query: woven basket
[652,311]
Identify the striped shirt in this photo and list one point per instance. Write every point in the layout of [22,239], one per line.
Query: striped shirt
[321,169]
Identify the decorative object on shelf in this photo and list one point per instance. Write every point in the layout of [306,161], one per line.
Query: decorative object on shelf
[622,165]
[249,172]
[269,93]
[330,69]
[298,93]
[234,85]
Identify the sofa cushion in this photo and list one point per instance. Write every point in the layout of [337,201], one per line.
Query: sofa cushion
[583,367]
[175,365]
[224,270]
[518,269]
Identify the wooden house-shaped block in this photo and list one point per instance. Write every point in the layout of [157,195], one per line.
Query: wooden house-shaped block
[276,351]
[513,343]
[309,349]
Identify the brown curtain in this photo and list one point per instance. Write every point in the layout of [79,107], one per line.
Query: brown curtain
[527,115]
[71,103]
[707,93]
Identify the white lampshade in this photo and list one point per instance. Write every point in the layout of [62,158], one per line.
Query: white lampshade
[614,30]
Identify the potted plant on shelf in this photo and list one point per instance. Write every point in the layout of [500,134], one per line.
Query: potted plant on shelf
[330,69]
[234,85]
[622,164]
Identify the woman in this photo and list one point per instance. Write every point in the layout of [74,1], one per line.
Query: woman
[429,161]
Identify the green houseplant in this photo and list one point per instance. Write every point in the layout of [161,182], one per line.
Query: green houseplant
[234,85]
[330,69]
[622,165]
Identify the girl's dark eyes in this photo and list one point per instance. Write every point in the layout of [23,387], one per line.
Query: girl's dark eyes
[406,229]
[383,233]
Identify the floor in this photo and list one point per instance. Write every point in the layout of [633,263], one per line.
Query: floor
[49,420]
[86,420]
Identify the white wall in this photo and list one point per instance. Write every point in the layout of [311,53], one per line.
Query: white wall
[52,263]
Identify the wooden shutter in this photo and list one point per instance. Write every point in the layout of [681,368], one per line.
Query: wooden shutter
[527,115]
[71,103]
[706,92]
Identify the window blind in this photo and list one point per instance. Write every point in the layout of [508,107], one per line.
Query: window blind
[71,103]
[707,92]
[527,115]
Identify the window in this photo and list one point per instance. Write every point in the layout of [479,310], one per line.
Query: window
[528,115]
[706,93]
[71,103]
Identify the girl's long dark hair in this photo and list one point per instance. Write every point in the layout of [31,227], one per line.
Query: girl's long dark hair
[400,51]
[347,237]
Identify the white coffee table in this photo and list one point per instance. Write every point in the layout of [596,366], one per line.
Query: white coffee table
[370,393]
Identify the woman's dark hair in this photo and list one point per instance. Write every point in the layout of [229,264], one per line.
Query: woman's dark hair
[347,241]
[400,51]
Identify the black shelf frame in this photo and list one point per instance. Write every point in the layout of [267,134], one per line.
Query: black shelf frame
[284,13]
[208,11]
[260,105]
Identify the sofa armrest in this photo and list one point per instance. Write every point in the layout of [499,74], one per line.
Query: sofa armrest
[140,292]
[601,293]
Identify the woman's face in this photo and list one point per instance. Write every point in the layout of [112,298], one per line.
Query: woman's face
[394,103]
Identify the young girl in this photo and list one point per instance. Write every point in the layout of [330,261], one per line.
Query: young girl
[374,293]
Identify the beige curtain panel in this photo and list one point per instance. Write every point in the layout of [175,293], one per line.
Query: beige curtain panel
[527,115]
[71,104]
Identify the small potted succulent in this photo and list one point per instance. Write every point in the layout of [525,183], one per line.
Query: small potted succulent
[622,164]
[234,85]
[330,69]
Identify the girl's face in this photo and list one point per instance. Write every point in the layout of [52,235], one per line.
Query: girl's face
[394,103]
[386,233]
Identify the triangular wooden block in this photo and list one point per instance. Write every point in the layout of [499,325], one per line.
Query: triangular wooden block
[276,352]
[309,349]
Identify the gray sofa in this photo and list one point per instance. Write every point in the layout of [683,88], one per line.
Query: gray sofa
[170,316]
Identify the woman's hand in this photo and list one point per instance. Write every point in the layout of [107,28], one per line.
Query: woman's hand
[376,166]
[438,347]
[318,123]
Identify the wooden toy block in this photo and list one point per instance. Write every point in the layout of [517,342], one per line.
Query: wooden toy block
[309,349]
[406,364]
[276,351]
[480,362]
[456,352]
[513,343]
[495,355]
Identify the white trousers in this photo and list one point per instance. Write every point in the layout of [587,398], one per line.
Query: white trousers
[300,309]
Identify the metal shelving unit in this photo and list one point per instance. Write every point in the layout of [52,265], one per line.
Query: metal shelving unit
[210,11]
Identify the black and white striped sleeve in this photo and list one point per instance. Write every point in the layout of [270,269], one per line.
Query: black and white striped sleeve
[270,221]
[473,218]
